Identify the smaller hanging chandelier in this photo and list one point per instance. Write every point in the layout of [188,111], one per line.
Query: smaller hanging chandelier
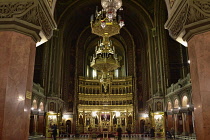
[105,60]
[107,22]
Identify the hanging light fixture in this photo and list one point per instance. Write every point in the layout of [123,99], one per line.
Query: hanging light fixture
[105,60]
[111,7]
[106,22]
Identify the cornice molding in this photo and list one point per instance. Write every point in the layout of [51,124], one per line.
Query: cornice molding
[191,17]
[33,18]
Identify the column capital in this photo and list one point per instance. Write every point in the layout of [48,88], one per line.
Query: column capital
[187,18]
[30,17]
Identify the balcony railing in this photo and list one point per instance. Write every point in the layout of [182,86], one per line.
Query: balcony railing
[179,85]
[37,89]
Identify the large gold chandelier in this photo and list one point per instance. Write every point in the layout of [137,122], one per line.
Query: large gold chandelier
[106,24]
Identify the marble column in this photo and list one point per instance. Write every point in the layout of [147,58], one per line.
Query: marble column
[35,124]
[29,23]
[188,121]
[41,125]
[199,54]
[17,53]
[184,123]
[193,121]
[176,123]
[169,122]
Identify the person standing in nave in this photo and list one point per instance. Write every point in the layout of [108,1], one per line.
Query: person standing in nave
[152,132]
[54,132]
[173,132]
[128,129]
[119,132]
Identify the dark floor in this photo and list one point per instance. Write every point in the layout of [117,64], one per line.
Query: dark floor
[95,139]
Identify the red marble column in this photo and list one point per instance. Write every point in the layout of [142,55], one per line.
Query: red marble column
[189,123]
[199,54]
[31,126]
[184,124]
[176,123]
[35,124]
[170,122]
[17,54]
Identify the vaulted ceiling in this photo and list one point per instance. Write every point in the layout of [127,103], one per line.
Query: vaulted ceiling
[74,17]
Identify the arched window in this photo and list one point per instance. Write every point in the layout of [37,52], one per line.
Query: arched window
[34,105]
[41,106]
[176,103]
[184,101]
[94,73]
[116,73]
[87,71]
[169,106]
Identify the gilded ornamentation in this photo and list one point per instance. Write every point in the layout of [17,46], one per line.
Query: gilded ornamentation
[28,95]
[109,30]
[105,23]
[104,111]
